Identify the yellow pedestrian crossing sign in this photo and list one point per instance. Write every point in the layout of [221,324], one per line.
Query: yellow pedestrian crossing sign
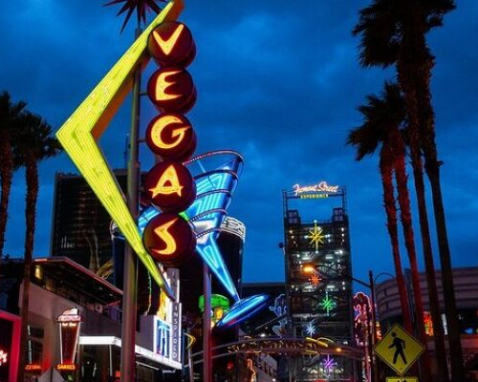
[402,379]
[399,350]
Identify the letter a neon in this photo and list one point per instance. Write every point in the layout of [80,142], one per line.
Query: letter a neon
[168,183]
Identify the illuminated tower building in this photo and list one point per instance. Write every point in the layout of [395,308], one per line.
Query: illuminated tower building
[318,271]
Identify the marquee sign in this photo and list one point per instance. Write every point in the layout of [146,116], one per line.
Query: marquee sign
[169,185]
[321,187]
[69,324]
[280,346]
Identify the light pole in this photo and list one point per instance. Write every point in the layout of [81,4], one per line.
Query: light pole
[290,325]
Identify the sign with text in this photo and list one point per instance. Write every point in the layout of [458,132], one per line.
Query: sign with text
[399,349]
[69,322]
[402,379]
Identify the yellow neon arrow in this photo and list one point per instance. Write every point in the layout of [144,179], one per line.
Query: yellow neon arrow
[79,133]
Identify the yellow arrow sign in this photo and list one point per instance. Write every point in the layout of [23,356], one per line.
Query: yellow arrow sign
[399,349]
[402,379]
[79,135]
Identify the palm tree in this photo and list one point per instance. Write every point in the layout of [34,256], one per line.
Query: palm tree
[35,144]
[9,114]
[393,32]
[380,116]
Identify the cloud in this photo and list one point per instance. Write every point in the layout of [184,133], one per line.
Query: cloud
[279,82]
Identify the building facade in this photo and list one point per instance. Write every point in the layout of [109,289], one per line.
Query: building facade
[60,285]
[318,274]
[466,295]
[81,225]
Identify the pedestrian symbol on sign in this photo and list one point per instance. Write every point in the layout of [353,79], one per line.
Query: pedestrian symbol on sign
[399,350]
[399,346]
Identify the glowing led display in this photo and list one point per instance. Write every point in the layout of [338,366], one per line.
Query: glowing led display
[170,186]
[171,136]
[169,239]
[79,133]
[172,89]
[172,44]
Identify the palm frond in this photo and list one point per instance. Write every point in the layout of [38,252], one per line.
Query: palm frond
[140,6]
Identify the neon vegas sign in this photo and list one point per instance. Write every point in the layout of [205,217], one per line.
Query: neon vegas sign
[320,187]
[79,137]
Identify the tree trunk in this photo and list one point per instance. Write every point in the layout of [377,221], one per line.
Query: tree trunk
[30,215]
[391,211]
[406,218]
[432,168]
[438,333]
[414,72]
[6,174]
[454,339]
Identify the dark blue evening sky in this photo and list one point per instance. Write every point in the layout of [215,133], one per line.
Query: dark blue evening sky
[278,81]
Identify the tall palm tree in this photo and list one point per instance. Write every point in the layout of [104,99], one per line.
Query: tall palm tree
[380,116]
[35,144]
[9,114]
[393,32]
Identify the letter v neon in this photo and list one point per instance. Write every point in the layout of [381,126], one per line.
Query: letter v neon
[168,45]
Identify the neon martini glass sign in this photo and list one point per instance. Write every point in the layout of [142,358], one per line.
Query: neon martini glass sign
[206,214]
